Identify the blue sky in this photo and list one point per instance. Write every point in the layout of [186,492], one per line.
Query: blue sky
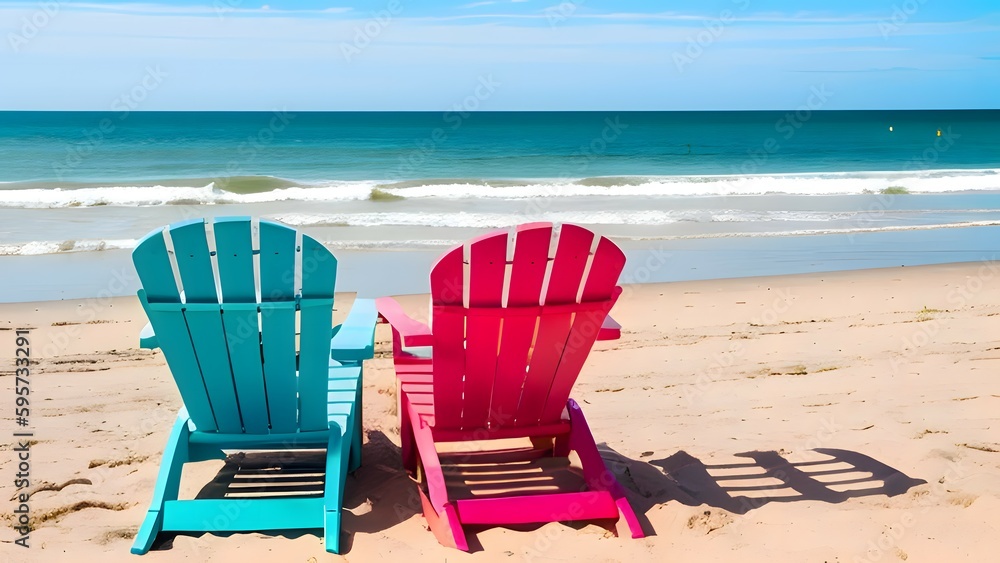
[499,55]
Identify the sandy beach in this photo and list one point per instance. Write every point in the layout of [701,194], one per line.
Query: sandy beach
[848,416]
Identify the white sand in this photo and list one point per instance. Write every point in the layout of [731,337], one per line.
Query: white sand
[890,374]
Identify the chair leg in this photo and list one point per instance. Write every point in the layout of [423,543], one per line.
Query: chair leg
[543,443]
[440,513]
[337,455]
[598,477]
[561,447]
[445,525]
[356,433]
[175,455]
[407,447]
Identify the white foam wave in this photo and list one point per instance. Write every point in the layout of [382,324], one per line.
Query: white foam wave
[35,248]
[500,220]
[830,231]
[930,181]
[938,181]
[132,196]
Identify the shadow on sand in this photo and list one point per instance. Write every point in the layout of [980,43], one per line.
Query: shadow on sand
[766,477]
[380,495]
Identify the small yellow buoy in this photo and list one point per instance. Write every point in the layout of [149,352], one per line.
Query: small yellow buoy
[939,132]
[890,128]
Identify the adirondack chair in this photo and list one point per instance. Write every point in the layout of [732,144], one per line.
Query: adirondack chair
[247,382]
[512,325]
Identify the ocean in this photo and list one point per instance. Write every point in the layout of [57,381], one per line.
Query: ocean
[89,184]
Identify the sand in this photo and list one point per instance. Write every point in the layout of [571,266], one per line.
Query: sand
[843,417]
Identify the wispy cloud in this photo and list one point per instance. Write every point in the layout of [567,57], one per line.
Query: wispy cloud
[153,9]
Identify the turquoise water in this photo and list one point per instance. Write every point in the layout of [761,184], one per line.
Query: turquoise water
[754,192]
[112,148]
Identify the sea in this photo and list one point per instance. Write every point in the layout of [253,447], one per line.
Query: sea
[708,194]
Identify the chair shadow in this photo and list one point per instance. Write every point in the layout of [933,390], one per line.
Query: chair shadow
[380,495]
[277,474]
[766,477]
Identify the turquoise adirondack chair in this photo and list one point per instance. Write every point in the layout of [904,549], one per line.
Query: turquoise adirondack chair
[514,319]
[247,380]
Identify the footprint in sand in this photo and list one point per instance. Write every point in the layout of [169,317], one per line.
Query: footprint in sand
[709,521]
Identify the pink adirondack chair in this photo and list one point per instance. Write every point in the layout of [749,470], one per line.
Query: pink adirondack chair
[506,346]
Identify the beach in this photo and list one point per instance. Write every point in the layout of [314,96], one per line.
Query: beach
[847,416]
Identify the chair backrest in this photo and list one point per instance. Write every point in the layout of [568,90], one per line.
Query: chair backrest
[226,299]
[514,316]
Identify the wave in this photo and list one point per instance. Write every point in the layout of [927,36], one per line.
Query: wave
[35,248]
[474,220]
[60,247]
[152,195]
[264,189]
[846,183]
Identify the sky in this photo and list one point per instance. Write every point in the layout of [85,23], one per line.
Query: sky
[433,55]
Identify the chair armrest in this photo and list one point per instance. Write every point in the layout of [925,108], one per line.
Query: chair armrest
[355,339]
[610,330]
[414,333]
[147,338]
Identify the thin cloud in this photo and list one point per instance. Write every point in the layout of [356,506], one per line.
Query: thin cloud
[138,8]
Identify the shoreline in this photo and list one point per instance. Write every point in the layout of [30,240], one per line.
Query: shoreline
[373,273]
[882,377]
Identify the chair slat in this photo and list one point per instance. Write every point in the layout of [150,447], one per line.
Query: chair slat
[234,254]
[447,280]
[572,252]
[314,361]
[609,261]
[319,275]
[487,265]
[553,330]
[277,283]
[213,357]
[242,330]
[531,249]
[194,261]
[152,263]
[319,269]
[278,351]
[277,262]
[582,335]
[178,350]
